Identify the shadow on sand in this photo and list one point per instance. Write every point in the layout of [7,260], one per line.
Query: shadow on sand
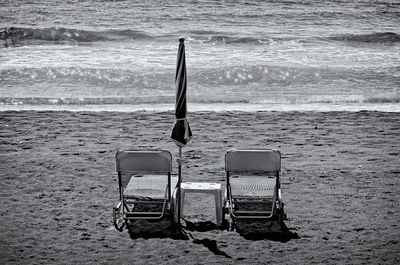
[265,230]
[155,229]
[250,230]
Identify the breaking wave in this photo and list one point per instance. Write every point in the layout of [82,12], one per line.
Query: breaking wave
[383,37]
[14,35]
[221,38]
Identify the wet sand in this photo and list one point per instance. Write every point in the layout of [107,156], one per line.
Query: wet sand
[340,185]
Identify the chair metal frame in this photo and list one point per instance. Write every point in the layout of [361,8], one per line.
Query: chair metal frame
[138,162]
[258,164]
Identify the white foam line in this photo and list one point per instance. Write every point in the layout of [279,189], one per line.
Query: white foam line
[218,107]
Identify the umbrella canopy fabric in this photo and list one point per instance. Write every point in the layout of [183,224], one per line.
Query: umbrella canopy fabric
[181,133]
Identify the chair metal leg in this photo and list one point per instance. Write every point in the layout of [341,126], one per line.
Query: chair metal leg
[118,219]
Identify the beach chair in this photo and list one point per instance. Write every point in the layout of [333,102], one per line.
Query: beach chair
[253,185]
[147,188]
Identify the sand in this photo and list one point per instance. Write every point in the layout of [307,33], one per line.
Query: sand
[340,185]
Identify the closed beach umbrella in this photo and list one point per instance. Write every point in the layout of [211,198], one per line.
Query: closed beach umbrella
[181,134]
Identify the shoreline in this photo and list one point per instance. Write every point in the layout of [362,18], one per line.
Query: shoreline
[213,107]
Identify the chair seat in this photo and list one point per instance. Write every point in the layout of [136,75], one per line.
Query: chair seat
[149,187]
[252,186]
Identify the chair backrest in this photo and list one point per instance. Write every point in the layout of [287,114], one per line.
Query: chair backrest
[150,162]
[253,160]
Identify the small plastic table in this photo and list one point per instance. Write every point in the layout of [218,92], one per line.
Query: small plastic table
[204,187]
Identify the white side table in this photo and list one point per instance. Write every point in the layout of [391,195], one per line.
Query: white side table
[204,187]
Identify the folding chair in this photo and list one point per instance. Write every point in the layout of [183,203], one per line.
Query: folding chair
[147,189]
[253,185]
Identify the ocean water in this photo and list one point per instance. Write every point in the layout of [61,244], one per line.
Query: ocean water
[241,55]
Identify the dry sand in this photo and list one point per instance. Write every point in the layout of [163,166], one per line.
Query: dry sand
[340,183]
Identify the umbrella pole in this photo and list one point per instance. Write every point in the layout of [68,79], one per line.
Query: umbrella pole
[179,184]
